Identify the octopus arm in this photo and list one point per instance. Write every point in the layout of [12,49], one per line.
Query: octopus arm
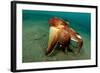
[53,38]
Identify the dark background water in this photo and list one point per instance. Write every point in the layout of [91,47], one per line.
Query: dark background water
[36,31]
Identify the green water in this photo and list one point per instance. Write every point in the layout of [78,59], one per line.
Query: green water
[36,30]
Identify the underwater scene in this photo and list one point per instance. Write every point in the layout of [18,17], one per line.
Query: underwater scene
[35,35]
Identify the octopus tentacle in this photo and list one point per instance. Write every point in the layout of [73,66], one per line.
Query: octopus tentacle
[53,38]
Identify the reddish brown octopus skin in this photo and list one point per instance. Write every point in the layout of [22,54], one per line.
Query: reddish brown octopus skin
[63,36]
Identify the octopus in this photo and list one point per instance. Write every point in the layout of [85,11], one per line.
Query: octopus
[61,34]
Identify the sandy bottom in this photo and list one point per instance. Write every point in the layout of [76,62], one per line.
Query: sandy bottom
[35,40]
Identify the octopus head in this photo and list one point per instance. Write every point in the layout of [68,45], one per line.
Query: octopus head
[57,21]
